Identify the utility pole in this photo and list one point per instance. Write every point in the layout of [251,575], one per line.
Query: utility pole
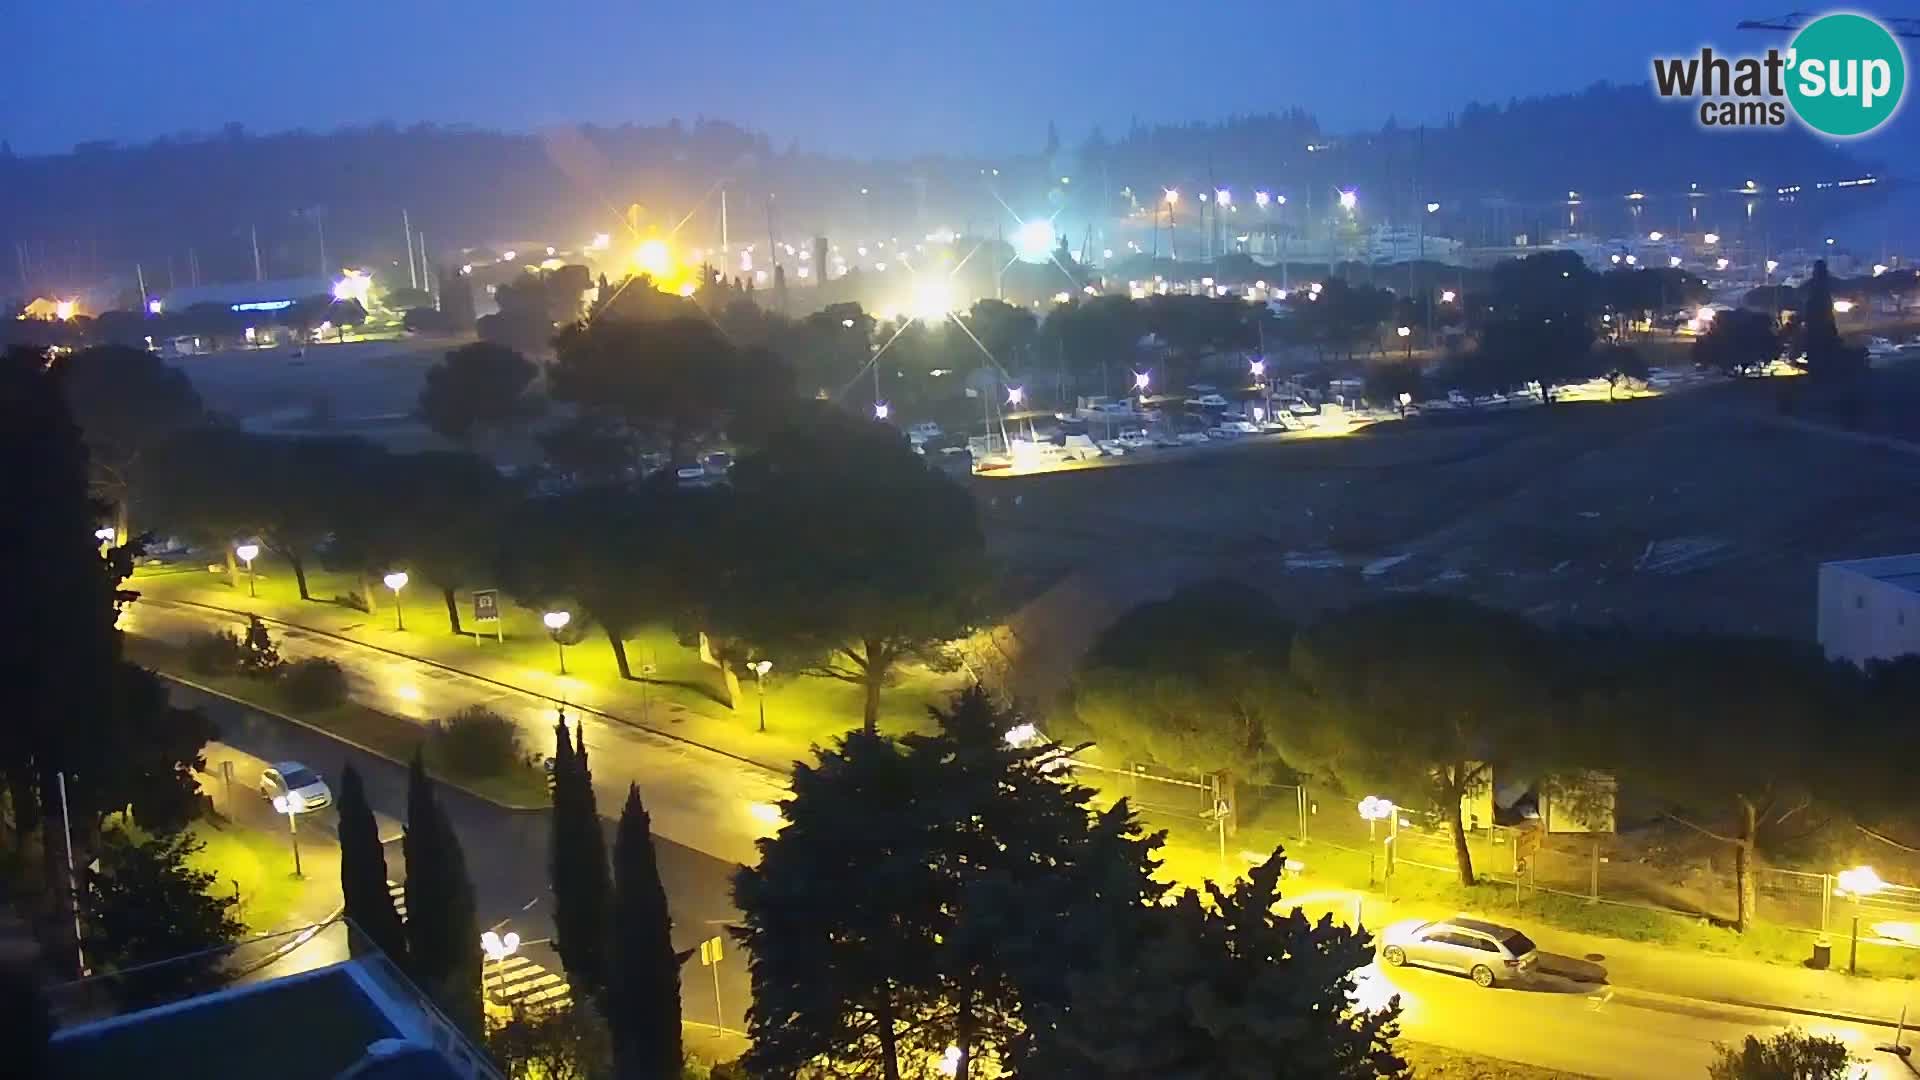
[140,276]
[723,228]
[406,224]
[254,232]
[773,253]
[426,275]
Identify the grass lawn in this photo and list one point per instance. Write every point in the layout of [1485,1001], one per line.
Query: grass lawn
[804,709]
[1438,1061]
[259,864]
[388,736]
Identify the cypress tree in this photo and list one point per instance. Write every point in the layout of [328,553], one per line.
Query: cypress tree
[642,1000]
[363,871]
[577,865]
[443,933]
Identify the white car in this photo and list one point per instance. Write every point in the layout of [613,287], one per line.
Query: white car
[1208,401]
[1192,438]
[1300,408]
[303,787]
[1111,448]
[1485,952]
[1134,440]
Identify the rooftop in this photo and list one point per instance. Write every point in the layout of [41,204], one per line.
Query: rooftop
[1900,571]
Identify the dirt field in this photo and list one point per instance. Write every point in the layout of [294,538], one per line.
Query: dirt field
[1699,510]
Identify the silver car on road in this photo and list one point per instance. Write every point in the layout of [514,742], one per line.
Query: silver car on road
[1486,952]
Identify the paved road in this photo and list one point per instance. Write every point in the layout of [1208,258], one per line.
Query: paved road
[703,800]
[506,854]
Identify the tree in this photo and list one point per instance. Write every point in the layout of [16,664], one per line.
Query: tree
[1622,363]
[442,934]
[985,878]
[1226,988]
[143,759]
[642,999]
[456,298]
[569,1043]
[480,389]
[676,382]
[1189,682]
[1789,1055]
[1737,342]
[366,900]
[1427,694]
[577,866]
[826,352]
[1096,335]
[1733,737]
[1395,384]
[849,556]
[146,905]
[127,401]
[1828,357]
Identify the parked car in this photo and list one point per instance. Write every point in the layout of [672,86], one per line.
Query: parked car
[1167,441]
[1912,344]
[309,792]
[1191,438]
[1488,953]
[1112,448]
[1208,401]
[1298,407]
[1458,399]
[923,431]
[1134,439]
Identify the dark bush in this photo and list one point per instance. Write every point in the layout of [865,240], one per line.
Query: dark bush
[476,741]
[314,683]
[214,653]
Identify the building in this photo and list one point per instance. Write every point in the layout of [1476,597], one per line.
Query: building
[358,1018]
[1869,609]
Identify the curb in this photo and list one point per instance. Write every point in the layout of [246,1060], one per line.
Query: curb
[300,937]
[489,680]
[343,740]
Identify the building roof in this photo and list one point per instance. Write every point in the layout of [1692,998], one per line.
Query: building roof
[246,292]
[351,1018]
[1899,571]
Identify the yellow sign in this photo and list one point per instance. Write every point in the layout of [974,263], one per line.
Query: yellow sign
[710,952]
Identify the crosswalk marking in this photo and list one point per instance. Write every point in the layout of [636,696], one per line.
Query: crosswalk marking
[516,980]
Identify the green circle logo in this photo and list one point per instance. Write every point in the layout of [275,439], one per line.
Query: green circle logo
[1846,75]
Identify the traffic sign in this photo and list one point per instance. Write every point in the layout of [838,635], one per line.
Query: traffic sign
[711,951]
[486,605]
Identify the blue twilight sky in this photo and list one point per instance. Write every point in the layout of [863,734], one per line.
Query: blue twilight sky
[859,77]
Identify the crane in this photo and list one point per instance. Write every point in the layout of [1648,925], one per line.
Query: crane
[1794,20]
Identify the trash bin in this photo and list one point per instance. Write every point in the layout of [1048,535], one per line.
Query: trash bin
[1822,957]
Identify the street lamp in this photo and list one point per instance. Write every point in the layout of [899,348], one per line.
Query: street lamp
[1375,809]
[1655,237]
[880,410]
[557,621]
[1858,882]
[1349,200]
[1406,335]
[1433,208]
[1015,395]
[104,534]
[291,804]
[248,553]
[498,947]
[1711,238]
[1447,296]
[397,581]
[760,669]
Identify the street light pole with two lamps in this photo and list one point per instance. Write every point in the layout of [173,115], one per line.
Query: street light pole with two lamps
[248,553]
[760,669]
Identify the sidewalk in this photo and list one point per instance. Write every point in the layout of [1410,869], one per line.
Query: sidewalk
[251,853]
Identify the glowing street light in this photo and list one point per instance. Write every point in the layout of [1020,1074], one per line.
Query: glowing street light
[1403,331]
[1772,265]
[1447,296]
[1016,395]
[1261,199]
[1022,734]
[1349,200]
[760,669]
[291,804]
[1223,197]
[1879,268]
[1433,208]
[880,410]
[1656,236]
[105,534]
[1720,264]
[1841,307]
[557,621]
[397,581]
[932,301]
[1140,379]
[1633,260]
[248,553]
[1858,883]
[498,947]
[1376,809]
[1257,369]
[1173,197]
[1673,261]
[1711,238]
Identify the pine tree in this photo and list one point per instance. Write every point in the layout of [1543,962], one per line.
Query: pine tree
[1828,356]
[642,999]
[443,935]
[577,866]
[363,871]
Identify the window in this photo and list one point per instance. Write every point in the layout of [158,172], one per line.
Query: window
[1519,944]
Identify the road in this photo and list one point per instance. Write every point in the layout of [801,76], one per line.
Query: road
[1583,1027]
[505,850]
[706,801]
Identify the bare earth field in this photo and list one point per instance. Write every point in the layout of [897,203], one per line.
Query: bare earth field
[1700,510]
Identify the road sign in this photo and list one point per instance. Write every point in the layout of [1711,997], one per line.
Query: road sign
[486,605]
[711,951]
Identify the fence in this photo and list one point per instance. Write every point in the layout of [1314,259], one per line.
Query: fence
[1595,867]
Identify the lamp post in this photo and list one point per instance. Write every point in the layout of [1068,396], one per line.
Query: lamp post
[397,581]
[1258,369]
[248,553]
[106,534]
[760,669]
[498,947]
[1858,882]
[557,621]
[291,804]
[1374,809]
[1406,335]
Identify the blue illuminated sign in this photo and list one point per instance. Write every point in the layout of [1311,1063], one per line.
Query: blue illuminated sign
[263,305]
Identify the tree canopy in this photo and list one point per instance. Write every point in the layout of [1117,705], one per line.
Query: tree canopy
[479,389]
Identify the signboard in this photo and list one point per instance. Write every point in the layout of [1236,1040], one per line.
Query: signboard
[486,605]
[710,951]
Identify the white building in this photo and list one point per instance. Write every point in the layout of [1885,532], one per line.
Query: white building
[1869,609]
